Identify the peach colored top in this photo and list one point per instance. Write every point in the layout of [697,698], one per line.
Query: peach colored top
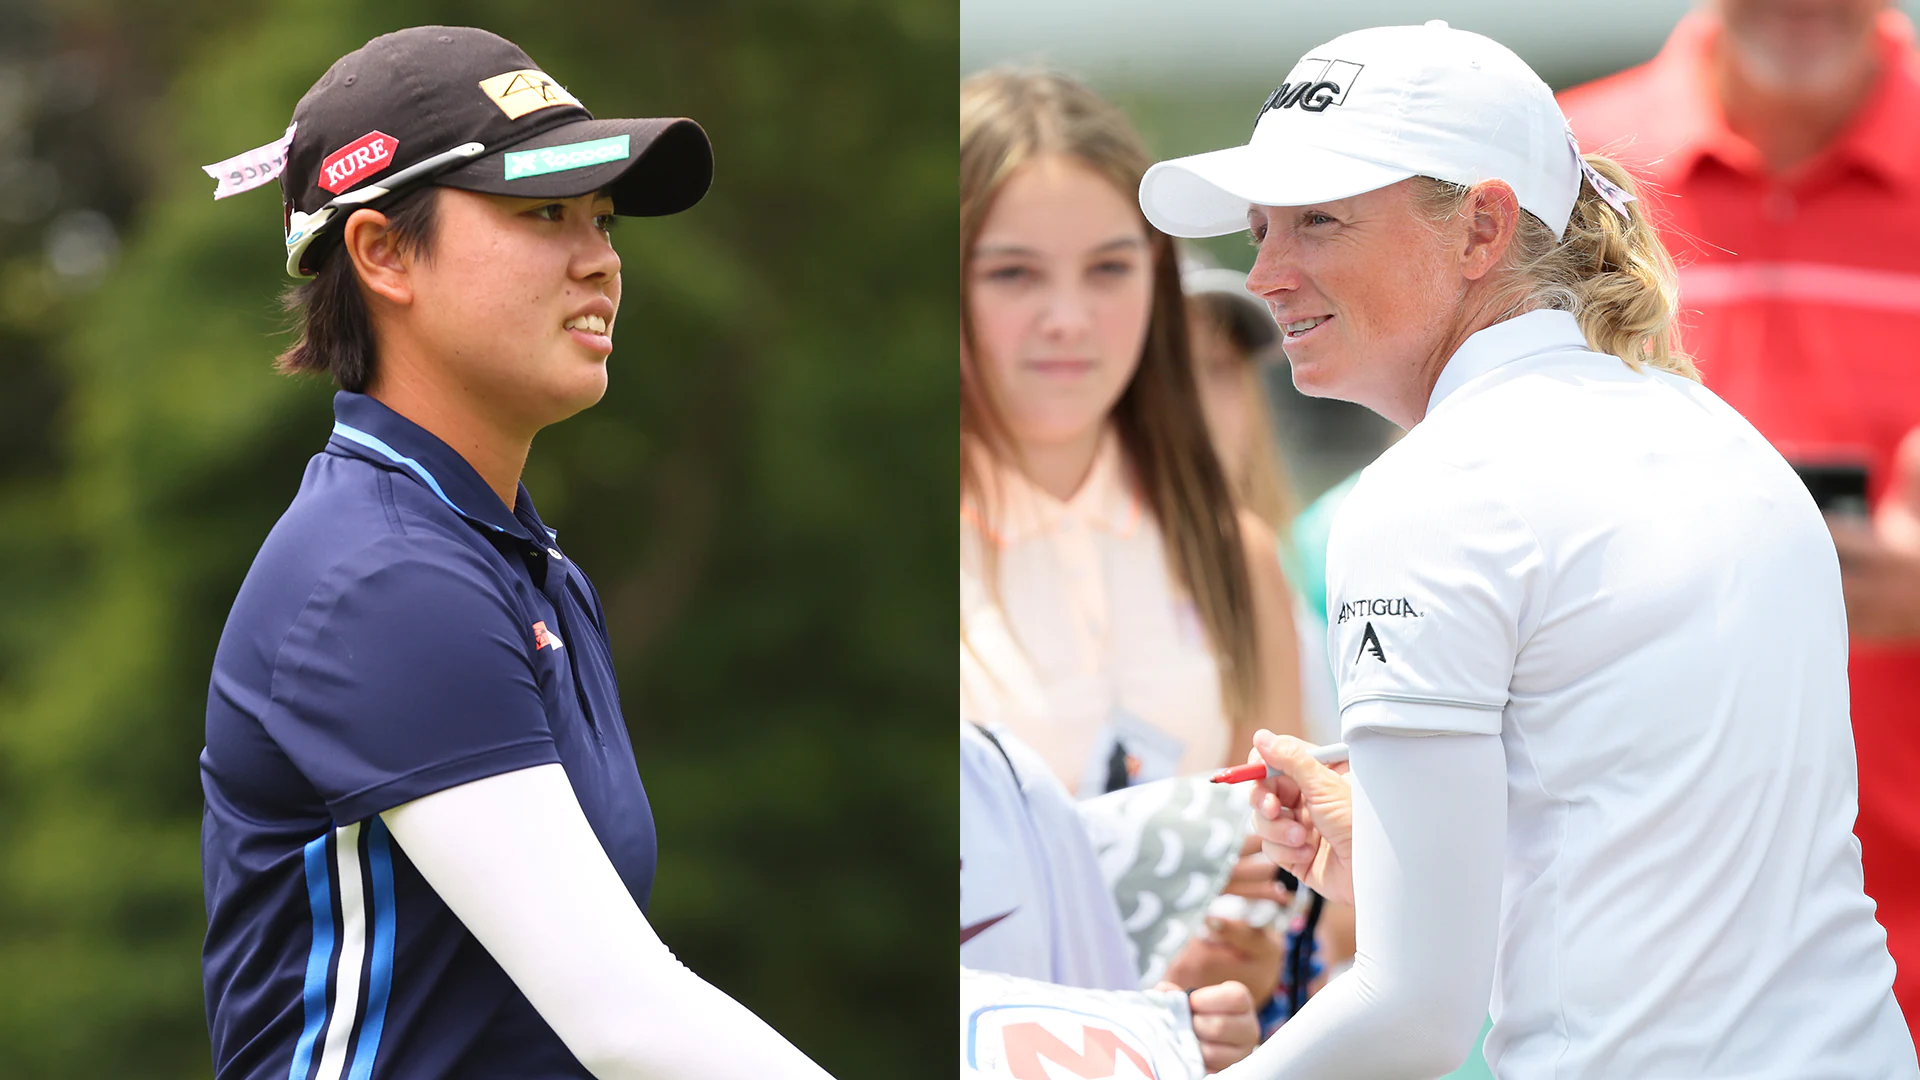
[1093,639]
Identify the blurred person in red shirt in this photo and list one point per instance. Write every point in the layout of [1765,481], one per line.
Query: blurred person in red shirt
[1778,142]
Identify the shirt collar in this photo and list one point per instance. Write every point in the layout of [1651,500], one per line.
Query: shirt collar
[1504,342]
[1021,509]
[365,428]
[1883,137]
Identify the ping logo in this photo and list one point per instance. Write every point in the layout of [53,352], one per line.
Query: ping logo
[521,92]
[357,160]
[1045,1042]
[545,638]
[1314,85]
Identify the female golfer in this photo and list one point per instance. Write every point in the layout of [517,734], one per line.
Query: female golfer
[1118,612]
[426,846]
[1589,629]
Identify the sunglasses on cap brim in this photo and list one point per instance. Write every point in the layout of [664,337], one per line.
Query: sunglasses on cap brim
[302,229]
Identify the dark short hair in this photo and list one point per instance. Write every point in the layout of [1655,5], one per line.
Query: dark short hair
[333,328]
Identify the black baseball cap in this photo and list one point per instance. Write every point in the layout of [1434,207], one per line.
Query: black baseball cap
[464,108]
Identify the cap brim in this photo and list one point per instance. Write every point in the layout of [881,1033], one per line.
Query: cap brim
[1208,194]
[667,166]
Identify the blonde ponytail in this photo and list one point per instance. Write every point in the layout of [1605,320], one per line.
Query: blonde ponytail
[1612,273]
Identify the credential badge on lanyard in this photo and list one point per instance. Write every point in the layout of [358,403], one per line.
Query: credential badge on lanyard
[1128,751]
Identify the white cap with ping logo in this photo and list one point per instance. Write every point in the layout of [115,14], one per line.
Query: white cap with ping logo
[1372,108]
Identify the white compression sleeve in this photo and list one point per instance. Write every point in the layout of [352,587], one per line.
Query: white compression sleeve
[515,859]
[1429,843]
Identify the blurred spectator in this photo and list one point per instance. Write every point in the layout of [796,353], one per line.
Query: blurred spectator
[1232,333]
[1242,941]
[1140,624]
[1033,903]
[1307,571]
[1781,143]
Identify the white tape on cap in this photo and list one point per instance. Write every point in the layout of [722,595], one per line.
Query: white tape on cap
[1614,195]
[244,172]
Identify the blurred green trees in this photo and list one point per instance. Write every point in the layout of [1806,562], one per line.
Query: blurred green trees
[763,499]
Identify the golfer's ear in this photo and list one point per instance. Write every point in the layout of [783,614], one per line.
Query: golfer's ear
[384,268]
[1493,212]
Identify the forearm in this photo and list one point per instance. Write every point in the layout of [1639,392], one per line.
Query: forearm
[514,858]
[1428,848]
[672,1024]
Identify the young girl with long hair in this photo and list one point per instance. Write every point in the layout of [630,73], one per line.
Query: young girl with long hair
[1119,611]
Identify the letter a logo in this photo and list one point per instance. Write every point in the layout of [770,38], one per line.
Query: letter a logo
[1370,643]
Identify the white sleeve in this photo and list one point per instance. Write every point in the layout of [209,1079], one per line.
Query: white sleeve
[1433,584]
[1429,839]
[514,858]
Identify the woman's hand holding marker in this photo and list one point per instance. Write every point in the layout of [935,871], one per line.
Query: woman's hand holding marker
[1304,816]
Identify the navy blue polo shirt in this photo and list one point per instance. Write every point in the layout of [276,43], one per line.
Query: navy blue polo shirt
[400,632]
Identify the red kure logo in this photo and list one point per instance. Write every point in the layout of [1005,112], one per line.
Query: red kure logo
[357,160]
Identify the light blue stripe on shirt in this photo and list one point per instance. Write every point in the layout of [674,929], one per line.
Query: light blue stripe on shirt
[375,444]
[380,966]
[319,957]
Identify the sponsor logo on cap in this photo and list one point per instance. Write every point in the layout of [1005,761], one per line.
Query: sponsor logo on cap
[552,159]
[357,160]
[1313,85]
[521,92]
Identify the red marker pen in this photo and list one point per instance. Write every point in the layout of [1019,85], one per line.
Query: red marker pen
[1330,754]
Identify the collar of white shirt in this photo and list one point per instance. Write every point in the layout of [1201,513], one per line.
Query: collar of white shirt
[1022,510]
[1502,343]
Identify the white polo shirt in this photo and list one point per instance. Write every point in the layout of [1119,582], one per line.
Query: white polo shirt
[1614,572]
